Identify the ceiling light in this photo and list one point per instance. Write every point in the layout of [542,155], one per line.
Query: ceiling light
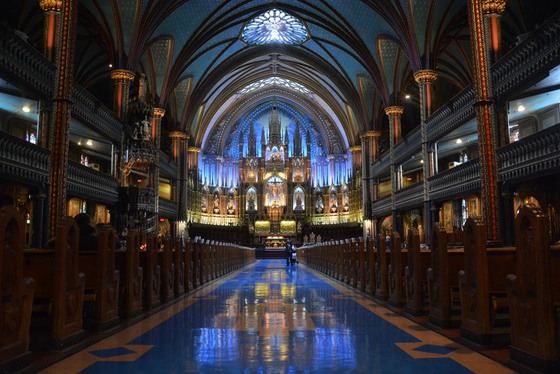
[110,65]
[79,142]
[459,141]
[520,108]
[407,96]
[26,109]
[89,142]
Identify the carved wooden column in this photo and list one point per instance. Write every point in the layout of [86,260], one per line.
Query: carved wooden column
[192,176]
[179,144]
[485,120]
[425,79]
[394,113]
[62,108]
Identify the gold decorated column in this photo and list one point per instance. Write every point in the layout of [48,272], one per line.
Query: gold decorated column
[179,144]
[51,9]
[122,79]
[369,156]
[62,108]
[394,113]
[492,10]
[157,115]
[425,79]
[485,120]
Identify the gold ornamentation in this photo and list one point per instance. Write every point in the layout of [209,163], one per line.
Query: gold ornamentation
[356,148]
[371,134]
[122,75]
[178,135]
[51,5]
[194,150]
[394,111]
[493,6]
[425,76]
[159,112]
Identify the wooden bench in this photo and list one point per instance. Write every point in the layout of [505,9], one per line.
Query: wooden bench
[534,294]
[395,271]
[152,273]
[128,264]
[16,293]
[381,267]
[165,261]
[443,285]
[102,282]
[416,280]
[56,322]
[179,264]
[484,311]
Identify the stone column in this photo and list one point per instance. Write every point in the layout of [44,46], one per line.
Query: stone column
[62,108]
[192,176]
[485,120]
[179,143]
[425,79]
[394,113]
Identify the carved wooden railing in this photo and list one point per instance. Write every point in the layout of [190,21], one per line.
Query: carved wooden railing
[409,197]
[23,160]
[85,181]
[88,109]
[462,179]
[24,63]
[533,155]
[408,146]
[382,206]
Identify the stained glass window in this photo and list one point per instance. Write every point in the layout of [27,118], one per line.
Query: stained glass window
[274,26]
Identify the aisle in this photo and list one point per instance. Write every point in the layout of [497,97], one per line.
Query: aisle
[273,319]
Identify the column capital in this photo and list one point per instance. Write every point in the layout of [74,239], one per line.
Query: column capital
[50,5]
[425,76]
[356,148]
[371,134]
[122,75]
[194,150]
[178,135]
[159,112]
[493,6]
[394,111]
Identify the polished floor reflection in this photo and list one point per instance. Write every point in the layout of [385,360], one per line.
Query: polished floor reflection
[270,318]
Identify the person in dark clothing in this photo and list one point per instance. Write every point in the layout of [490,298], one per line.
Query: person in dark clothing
[288,252]
[88,237]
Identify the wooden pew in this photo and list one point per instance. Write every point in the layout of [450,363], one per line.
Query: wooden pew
[165,261]
[102,282]
[56,321]
[16,293]
[128,264]
[443,286]
[370,245]
[416,280]
[534,294]
[395,271]
[152,274]
[179,264]
[381,265]
[482,291]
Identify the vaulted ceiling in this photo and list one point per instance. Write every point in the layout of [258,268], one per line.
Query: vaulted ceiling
[360,56]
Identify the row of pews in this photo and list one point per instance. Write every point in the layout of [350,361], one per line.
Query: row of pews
[494,295]
[50,297]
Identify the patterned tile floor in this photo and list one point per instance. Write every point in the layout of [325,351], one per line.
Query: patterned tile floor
[270,318]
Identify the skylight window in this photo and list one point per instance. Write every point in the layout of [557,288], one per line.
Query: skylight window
[275,81]
[274,26]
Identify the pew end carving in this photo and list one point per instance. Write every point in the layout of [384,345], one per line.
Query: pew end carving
[16,293]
